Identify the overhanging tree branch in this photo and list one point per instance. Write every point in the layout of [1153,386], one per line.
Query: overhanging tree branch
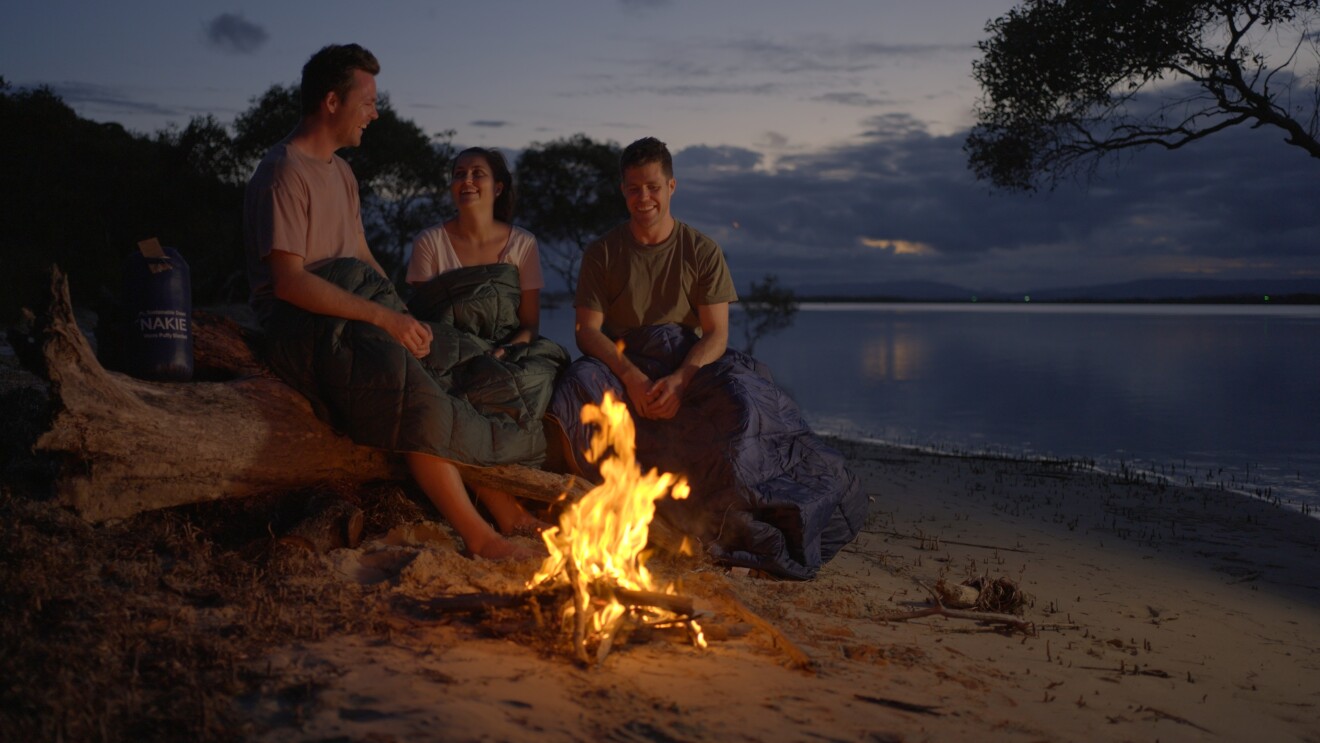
[1067,82]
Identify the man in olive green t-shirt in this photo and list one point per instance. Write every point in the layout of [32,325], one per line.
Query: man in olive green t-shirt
[650,270]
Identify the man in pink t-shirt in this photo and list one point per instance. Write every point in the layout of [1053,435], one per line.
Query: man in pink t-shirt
[301,210]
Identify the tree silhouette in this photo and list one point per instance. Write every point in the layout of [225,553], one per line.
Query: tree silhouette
[1066,83]
[568,195]
[767,309]
[81,194]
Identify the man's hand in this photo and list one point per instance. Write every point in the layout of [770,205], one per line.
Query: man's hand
[639,388]
[665,396]
[302,288]
[413,334]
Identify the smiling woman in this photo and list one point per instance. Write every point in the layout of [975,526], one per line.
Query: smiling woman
[482,188]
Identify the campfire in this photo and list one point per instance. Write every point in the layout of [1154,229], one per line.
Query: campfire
[599,547]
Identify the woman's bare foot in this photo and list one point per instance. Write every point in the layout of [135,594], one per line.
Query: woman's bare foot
[499,549]
[527,526]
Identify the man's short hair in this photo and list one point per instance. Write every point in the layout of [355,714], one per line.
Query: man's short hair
[645,151]
[331,70]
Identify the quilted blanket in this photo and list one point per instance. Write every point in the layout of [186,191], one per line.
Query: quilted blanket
[459,402]
[767,493]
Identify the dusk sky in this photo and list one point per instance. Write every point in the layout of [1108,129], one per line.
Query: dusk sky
[818,141]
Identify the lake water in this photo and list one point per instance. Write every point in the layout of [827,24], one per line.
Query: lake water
[1223,394]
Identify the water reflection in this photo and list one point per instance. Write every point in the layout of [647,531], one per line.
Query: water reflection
[895,354]
[1232,387]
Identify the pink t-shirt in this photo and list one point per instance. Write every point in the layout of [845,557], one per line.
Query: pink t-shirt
[433,254]
[301,205]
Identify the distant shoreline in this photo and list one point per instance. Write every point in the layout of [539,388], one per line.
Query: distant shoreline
[1305,299]
[557,299]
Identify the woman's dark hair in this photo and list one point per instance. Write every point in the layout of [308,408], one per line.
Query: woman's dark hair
[646,150]
[331,69]
[499,170]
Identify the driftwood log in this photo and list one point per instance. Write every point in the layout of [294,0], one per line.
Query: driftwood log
[126,445]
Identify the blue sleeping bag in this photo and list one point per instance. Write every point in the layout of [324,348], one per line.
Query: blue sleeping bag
[767,493]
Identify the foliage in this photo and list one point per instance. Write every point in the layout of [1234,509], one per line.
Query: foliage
[767,309]
[1067,82]
[81,194]
[568,194]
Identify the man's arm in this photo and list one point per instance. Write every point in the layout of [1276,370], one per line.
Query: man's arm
[666,394]
[593,342]
[365,255]
[293,283]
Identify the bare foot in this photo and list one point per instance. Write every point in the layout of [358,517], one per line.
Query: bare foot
[500,549]
[527,527]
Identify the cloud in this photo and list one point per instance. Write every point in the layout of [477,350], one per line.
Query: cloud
[490,123]
[897,247]
[822,53]
[702,160]
[234,34]
[893,126]
[808,67]
[860,100]
[901,204]
[773,141]
[689,90]
[109,100]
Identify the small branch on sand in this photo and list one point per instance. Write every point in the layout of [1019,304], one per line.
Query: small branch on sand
[1027,627]
[921,709]
[797,657]
[939,609]
[1162,715]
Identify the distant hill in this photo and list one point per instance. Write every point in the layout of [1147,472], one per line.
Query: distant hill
[1182,289]
[1144,290]
[901,291]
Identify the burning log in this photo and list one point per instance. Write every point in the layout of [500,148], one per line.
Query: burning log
[127,445]
[463,603]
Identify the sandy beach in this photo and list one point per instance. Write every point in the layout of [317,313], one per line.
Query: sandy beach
[1159,608]
[1159,612]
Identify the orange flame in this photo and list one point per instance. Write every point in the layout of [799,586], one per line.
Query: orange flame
[600,539]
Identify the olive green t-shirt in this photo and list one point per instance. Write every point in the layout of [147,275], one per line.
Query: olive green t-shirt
[635,285]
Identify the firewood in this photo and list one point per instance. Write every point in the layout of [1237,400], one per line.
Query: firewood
[126,445]
[723,592]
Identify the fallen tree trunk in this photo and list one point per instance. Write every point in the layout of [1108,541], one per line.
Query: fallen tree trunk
[126,445]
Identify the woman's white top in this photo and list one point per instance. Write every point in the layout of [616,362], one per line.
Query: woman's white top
[433,254]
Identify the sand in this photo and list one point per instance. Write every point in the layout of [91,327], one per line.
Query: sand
[1160,612]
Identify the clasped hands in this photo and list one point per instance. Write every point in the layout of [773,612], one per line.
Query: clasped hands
[657,400]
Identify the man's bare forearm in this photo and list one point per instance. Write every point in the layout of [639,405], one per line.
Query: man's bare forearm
[596,344]
[706,350]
